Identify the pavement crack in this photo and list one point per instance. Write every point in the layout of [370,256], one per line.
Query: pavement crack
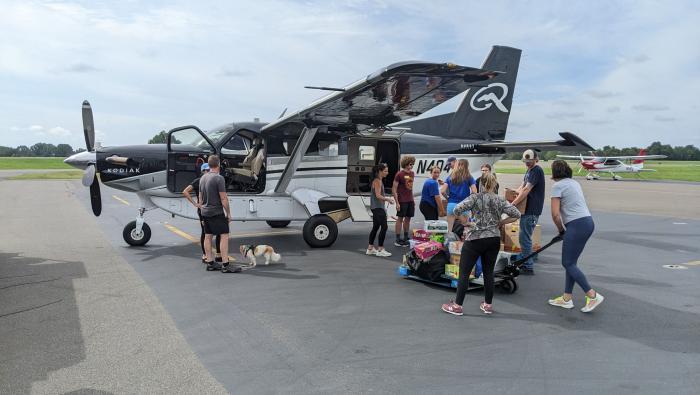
[31,282]
[31,308]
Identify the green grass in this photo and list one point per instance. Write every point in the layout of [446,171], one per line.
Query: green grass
[52,175]
[665,170]
[32,163]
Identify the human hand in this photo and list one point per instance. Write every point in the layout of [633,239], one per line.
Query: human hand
[398,206]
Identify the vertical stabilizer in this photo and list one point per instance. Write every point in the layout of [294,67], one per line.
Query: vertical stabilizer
[642,152]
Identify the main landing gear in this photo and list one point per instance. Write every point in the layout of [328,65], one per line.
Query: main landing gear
[320,231]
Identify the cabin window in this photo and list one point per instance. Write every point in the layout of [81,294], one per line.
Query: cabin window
[366,152]
[236,145]
[328,148]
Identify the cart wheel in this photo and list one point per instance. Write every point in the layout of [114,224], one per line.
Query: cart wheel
[514,286]
[506,286]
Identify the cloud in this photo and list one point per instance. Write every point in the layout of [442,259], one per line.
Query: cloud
[599,94]
[81,68]
[613,109]
[660,118]
[595,121]
[650,107]
[565,115]
[59,131]
[234,73]
[35,127]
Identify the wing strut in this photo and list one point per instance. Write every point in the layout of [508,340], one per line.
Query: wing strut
[307,135]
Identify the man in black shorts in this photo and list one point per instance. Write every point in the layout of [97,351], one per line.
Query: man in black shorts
[216,214]
[194,187]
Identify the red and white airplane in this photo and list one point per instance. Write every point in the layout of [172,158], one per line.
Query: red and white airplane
[612,164]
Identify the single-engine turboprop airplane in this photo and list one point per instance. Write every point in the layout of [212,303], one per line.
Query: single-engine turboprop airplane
[314,165]
[612,164]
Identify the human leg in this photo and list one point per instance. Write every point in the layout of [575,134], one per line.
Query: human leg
[201,240]
[470,252]
[429,212]
[488,261]
[577,234]
[527,226]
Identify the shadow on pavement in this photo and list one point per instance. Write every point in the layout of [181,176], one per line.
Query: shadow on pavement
[39,321]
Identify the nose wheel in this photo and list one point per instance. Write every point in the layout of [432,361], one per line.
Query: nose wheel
[134,237]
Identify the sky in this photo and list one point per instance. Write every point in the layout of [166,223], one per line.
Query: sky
[623,73]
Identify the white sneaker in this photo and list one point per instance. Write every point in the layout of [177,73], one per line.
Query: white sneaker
[479,280]
[383,253]
[560,302]
[371,251]
[591,304]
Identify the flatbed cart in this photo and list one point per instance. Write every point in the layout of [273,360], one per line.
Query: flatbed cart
[502,278]
[507,269]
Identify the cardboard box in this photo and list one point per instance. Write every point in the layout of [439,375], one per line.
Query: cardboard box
[427,249]
[421,234]
[455,247]
[439,226]
[454,259]
[452,271]
[511,237]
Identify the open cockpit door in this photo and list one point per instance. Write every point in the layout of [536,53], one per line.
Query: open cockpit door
[188,149]
[363,154]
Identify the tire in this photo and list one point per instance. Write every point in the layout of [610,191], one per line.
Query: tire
[320,231]
[278,224]
[133,239]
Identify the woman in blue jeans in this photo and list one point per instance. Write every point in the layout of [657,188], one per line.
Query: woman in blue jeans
[571,216]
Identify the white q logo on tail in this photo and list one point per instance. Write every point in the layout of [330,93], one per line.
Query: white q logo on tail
[490,98]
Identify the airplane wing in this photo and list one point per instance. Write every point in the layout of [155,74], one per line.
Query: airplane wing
[391,94]
[581,157]
[569,142]
[637,157]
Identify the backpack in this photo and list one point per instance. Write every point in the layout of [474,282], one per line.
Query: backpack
[431,269]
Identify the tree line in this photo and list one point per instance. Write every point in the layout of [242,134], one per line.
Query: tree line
[688,152]
[40,149]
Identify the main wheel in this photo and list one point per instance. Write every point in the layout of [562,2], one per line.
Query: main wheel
[278,224]
[320,231]
[134,238]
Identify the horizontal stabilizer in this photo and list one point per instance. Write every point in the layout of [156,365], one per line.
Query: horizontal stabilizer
[569,142]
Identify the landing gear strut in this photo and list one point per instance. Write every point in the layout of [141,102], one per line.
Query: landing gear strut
[137,233]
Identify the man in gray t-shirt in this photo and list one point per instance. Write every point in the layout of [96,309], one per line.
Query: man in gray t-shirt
[216,214]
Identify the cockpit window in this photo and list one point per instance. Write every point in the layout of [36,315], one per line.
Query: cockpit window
[218,133]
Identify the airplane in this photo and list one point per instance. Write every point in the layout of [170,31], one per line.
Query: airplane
[613,164]
[314,165]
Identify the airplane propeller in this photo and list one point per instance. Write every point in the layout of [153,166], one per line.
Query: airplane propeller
[580,164]
[90,174]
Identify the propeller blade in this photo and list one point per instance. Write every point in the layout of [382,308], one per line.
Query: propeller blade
[89,176]
[88,126]
[95,197]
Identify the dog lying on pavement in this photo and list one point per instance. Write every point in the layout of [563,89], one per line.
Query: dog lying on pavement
[251,251]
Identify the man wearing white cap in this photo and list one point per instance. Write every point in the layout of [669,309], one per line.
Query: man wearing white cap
[531,189]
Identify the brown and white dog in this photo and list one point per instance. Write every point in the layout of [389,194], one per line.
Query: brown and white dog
[251,251]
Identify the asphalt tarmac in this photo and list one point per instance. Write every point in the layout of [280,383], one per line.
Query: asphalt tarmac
[118,319]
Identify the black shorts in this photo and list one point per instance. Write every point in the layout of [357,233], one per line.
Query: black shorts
[429,212]
[407,210]
[217,225]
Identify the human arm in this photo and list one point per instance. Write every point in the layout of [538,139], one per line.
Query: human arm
[377,186]
[511,211]
[221,188]
[556,214]
[395,193]
[472,185]
[186,192]
[522,193]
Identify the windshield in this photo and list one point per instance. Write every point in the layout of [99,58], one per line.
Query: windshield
[218,133]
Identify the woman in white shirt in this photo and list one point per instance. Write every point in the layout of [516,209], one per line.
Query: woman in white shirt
[571,216]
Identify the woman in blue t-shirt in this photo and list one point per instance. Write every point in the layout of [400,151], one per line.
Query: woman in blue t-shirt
[430,199]
[458,186]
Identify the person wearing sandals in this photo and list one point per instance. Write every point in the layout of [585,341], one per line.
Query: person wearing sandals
[572,218]
[483,240]
[377,199]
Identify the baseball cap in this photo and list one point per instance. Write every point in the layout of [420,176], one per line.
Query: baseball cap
[529,155]
[205,166]
[451,159]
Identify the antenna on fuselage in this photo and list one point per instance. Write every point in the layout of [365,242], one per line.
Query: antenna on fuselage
[283,112]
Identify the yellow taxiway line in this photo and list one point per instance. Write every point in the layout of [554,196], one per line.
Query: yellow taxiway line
[121,200]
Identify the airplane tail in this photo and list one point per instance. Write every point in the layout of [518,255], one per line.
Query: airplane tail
[484,110]
[642,152]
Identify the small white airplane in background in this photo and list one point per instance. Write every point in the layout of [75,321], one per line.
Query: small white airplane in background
[612,164]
